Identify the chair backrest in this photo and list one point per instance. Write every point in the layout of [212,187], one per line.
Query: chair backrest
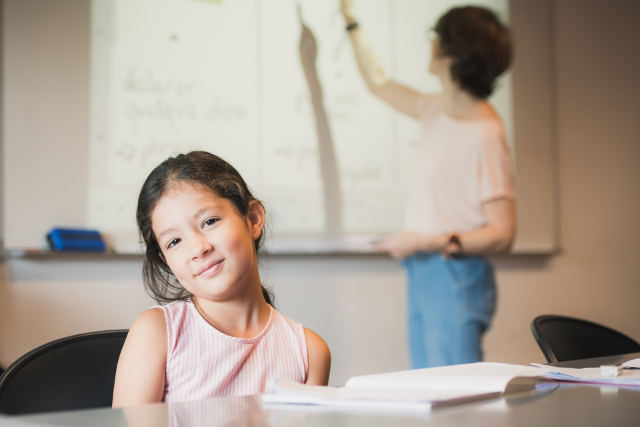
[75,372]
[564,338]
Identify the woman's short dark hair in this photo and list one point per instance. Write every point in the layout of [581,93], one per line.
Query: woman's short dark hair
[198,167]
[479,44]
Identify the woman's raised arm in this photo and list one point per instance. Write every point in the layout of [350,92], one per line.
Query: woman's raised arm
[398,96]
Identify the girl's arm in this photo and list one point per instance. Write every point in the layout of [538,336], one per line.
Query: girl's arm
[495,236]
[398,96]
[141,367]
[319,359]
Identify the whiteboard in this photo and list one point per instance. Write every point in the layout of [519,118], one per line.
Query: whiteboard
[162,77]
[227,77]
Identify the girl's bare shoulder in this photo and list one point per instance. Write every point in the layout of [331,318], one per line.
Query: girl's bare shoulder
[149,329]
[319,358]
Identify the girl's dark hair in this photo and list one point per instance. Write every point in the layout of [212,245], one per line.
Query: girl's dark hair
[198,167]
[479,44]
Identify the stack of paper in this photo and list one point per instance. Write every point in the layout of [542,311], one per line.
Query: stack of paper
[629,374]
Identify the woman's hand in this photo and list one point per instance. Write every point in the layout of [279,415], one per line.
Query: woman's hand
[407,243]
[346,7]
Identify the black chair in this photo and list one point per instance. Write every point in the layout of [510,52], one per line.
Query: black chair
[75,372]
[563,338]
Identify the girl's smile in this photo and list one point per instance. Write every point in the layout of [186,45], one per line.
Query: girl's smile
[211,269]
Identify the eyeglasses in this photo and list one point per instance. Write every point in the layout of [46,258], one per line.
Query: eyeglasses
[430,34]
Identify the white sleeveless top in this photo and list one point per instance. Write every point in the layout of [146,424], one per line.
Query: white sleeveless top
[203,362]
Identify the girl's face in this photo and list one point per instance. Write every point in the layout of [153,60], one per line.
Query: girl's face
[206,243]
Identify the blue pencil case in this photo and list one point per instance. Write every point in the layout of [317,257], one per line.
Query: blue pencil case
[75,239]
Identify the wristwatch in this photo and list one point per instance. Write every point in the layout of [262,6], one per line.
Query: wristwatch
[454,239]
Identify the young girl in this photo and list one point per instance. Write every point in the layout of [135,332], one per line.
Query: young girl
[218,334]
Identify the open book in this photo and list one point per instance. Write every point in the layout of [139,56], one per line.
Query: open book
[419,389]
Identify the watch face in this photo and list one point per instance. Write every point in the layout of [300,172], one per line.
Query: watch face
[454,241]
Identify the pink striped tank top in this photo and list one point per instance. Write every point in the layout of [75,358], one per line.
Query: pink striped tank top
[203,362]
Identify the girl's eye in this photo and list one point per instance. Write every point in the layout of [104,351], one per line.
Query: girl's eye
[173,243]
[209,222]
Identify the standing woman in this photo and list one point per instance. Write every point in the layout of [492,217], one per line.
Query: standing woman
[461,202]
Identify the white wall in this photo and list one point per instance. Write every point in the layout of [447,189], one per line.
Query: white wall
[357,303]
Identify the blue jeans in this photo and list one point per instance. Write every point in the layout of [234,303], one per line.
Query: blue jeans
[450,306]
